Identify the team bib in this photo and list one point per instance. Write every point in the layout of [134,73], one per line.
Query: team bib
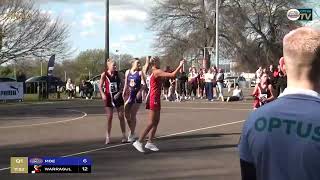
[113,87]
[132,83]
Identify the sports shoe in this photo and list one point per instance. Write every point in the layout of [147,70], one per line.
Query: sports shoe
[107,140]
[131,138]
[138,146]
[151,146]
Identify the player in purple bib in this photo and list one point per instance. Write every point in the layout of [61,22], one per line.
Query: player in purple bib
[133,95]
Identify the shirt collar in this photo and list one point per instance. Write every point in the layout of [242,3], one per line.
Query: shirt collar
[308,92]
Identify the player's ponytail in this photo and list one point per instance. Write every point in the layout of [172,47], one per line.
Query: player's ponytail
[154,60]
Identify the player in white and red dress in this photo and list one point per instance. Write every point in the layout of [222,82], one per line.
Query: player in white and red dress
[112,97]
[154,104]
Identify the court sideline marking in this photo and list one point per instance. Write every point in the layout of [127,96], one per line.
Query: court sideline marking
[164,136]
[192,108]
[84,114]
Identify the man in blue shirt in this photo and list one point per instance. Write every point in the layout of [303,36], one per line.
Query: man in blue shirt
[281,141]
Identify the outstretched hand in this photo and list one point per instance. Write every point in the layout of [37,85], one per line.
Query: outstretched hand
[182,62]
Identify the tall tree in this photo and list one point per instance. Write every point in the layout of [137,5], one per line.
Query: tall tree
[250,31]
[26,32]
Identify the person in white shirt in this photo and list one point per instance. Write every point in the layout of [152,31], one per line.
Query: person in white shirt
[70,88]
[220,83]
[258,74]
[208,78]
[237,94]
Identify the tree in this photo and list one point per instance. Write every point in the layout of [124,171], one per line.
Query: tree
[250,31]
[26,32]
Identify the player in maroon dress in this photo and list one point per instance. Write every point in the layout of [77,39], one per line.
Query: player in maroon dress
[112,96]
[154,104]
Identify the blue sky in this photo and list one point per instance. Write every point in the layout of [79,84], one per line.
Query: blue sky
[128,23]
[86,18]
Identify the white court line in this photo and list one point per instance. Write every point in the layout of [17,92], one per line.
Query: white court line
[4,169]
[169,135]
[192,108]
[217,102]
[164,136]
[84,114]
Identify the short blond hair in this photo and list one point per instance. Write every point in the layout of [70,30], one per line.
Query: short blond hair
[300,45]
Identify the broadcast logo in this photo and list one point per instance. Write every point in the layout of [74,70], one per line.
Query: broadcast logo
[299,14]
[36,169]
[36,161]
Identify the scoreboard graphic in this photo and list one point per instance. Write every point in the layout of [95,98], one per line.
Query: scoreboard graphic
[36,165]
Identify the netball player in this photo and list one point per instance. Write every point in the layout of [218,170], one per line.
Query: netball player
[133,95]
[153,104]
[111,81]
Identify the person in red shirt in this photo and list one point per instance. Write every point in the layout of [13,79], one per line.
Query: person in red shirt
[154,104]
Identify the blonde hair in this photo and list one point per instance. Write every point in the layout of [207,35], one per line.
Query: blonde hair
[154,60]
[301,44]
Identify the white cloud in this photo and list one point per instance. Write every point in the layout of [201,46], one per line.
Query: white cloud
[91,18]
[89,33]
[47,12]
[128,39]
[128,15]
[68,12]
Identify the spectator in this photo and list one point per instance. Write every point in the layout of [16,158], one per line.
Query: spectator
[208,78]
[21,77]
[237,94]
[172,90]
[201,83]
[166,84]
[258,74]
[214,82]
[280,141]
[86,90]
[220,83]
[282,80]
[270,75]
[193,82]
[70,88]
[181,85]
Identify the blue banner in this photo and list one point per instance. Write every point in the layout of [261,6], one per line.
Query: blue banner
[71,161]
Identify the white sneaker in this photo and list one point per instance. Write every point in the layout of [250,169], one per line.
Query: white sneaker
[151,146]
[131,138]
[68,97]
[87,98]
[138,146]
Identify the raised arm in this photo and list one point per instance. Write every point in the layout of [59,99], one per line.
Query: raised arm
[160,73]
[146,65]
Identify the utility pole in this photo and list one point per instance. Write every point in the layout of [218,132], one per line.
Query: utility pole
[205,57]
[107,31]
[217,34]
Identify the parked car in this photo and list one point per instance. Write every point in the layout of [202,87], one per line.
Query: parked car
[33,82]
[235,79]
[7,80]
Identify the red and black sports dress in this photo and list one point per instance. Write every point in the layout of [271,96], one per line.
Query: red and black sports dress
[261,93]
[112,85]
[154,95]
